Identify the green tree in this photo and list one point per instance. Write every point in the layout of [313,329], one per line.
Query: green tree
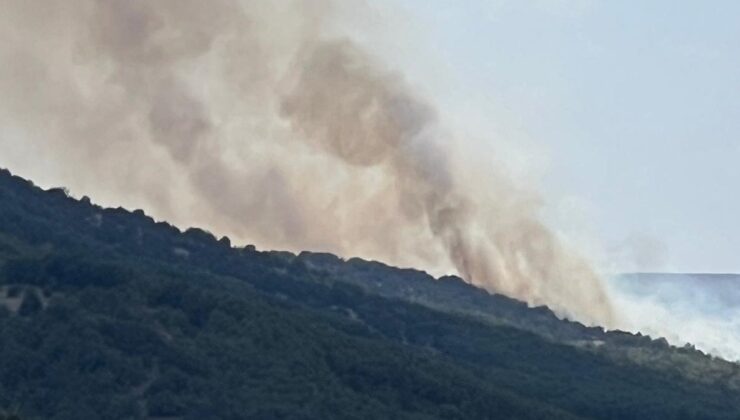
[31,304]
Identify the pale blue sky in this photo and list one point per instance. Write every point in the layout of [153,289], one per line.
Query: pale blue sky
[637,104]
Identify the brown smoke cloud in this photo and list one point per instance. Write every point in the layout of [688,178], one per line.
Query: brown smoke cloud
[252,118]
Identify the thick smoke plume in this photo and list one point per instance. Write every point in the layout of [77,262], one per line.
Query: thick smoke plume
[257,119]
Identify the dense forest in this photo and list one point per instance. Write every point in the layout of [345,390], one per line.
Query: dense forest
[108,314]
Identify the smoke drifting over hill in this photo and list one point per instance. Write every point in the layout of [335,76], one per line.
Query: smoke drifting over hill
[252,119]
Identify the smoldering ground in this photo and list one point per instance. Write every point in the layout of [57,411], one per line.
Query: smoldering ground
[253,119]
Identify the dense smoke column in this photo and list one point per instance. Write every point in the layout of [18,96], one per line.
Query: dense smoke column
[250,119]
[348,107]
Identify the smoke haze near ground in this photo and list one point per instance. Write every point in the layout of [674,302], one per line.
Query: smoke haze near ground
[254,119]
[700,309]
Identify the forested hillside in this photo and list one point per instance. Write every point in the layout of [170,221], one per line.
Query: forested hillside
[106,314]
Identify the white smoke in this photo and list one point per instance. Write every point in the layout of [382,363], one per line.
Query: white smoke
[700,309]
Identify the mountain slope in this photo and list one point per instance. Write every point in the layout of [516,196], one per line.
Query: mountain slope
[107,314]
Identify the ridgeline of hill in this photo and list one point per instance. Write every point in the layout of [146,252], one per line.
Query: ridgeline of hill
[105,313]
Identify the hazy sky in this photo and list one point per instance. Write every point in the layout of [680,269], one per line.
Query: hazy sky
[635,105]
